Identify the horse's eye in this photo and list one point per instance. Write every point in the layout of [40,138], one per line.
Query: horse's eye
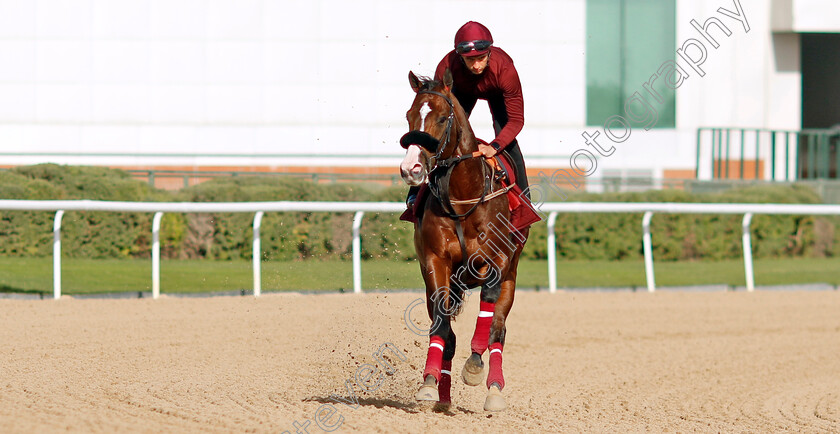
[442,119]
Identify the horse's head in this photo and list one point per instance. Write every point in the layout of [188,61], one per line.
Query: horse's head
[431,125]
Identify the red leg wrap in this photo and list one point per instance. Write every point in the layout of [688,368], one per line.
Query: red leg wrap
[445,382]
[482,327]
[434,358]
[495,373]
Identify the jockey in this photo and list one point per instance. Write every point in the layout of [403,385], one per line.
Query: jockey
[482,71]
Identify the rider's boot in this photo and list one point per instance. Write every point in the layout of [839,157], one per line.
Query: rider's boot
[412,197]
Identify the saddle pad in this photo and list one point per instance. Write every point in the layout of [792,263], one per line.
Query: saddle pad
[522,212]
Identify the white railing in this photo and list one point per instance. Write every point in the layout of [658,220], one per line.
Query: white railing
[159,208]
[259,208]
[747,209]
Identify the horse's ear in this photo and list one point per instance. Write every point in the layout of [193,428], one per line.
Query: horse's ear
[414,81]
[447,79]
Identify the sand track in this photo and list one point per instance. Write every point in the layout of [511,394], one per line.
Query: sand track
[670,361]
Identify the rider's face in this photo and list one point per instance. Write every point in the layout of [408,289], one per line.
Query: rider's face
[476,64]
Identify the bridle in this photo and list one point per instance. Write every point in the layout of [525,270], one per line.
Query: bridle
[441,170]
[447,131]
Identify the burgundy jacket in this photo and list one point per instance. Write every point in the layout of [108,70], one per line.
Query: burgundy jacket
[499,85]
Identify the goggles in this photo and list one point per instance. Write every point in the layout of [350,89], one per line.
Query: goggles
[466,47]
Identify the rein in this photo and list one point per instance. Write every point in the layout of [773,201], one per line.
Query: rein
[493,194]
[450,164]
[439,178]
[439,182]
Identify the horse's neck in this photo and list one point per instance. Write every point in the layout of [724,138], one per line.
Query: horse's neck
[469,173]
[467,146]
[467,142]
[467,180]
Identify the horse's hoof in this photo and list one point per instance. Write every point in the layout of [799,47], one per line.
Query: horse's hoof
[428,391]
[473,372]
[494,401]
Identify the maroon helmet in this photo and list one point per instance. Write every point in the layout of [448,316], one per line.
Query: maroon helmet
[473,39]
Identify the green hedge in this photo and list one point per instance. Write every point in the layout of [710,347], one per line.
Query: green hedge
[688,237]
[287,236]
[84,234]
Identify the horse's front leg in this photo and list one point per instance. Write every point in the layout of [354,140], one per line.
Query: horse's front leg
[473,371]
[437,372]
[445,382]
[495,377]
[496,302]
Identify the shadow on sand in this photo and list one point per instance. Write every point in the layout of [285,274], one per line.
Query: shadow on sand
[412,407]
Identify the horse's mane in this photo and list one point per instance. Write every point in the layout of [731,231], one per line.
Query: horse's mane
[427,83]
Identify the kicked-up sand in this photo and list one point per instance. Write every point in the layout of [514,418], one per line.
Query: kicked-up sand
[574,362]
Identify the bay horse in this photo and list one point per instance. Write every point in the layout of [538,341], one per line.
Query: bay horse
[463,239]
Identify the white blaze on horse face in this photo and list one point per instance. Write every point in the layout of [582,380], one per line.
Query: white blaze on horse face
[424,111]
[411,168]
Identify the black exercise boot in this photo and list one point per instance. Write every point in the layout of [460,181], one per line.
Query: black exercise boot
[412,197]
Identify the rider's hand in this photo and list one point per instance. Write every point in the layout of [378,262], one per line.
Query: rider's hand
[486,150]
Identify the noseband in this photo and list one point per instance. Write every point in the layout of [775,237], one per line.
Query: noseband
[425,140]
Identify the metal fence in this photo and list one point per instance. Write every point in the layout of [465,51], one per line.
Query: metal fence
[767,154]
[360,208]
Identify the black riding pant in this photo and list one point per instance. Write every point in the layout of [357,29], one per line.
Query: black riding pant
[512,150]
[515,155]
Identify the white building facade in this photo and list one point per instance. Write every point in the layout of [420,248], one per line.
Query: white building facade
[320,84]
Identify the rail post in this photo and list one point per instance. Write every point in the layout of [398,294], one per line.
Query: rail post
[257,254]
[748,262]
[156,254]
[651,282]
[357,253]
[552,253]
[57,254]
[757,153]
[772,155]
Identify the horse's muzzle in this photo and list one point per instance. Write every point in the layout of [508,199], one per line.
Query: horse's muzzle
[414,179]
[421,138]
[413,166]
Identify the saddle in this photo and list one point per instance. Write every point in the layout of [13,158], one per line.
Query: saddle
[522,212]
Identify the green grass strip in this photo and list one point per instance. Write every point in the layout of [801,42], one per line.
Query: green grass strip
[86,276]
